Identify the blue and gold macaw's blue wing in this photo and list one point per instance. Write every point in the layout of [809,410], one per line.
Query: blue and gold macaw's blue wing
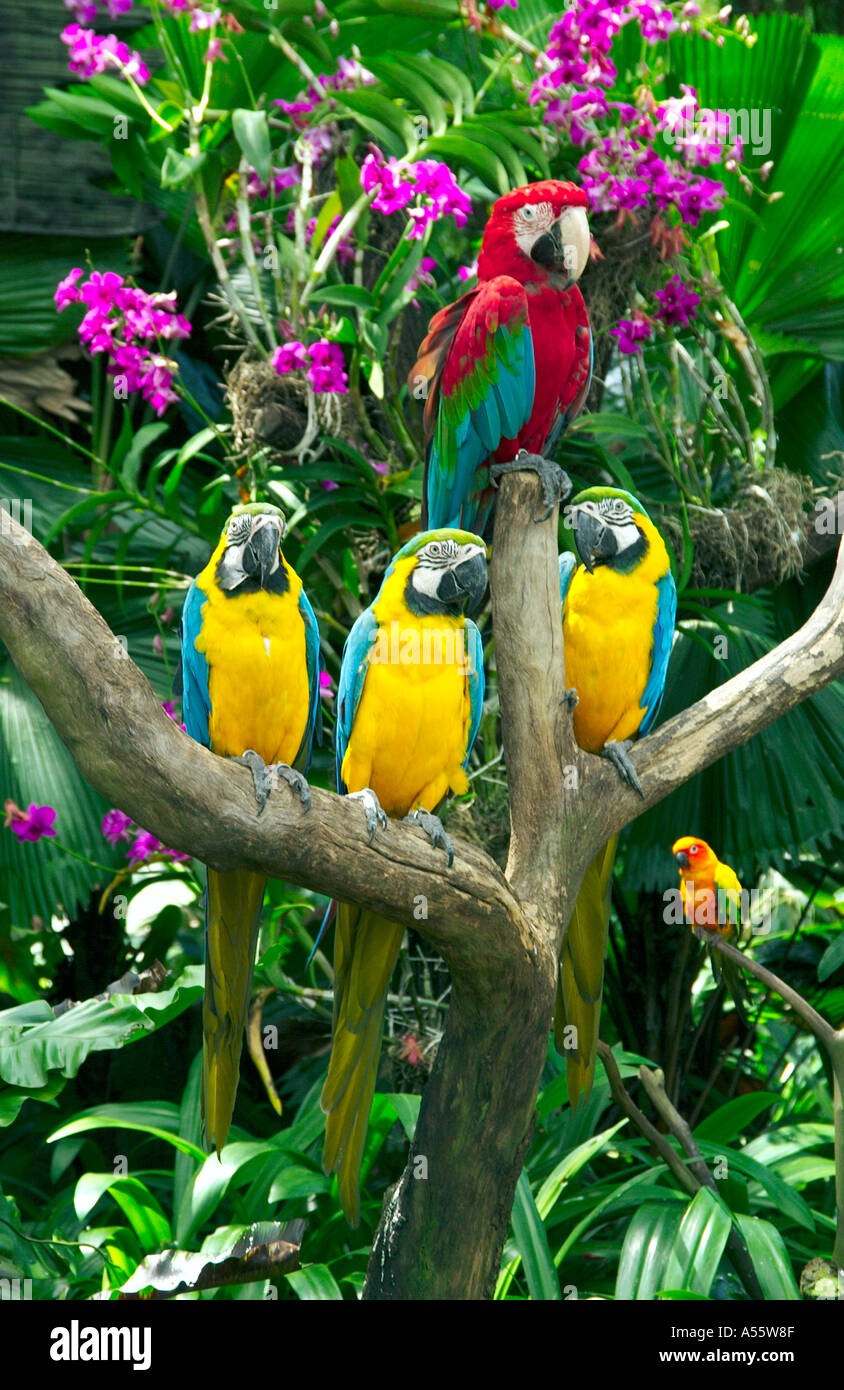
[196,702]
[477,367]
[314,660]
[666,612]
[477,683]
[350,686]
[568,565]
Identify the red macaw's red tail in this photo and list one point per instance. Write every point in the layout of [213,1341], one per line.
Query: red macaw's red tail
[577,1014]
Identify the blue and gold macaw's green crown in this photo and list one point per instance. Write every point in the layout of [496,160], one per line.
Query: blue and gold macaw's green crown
[256,509]
[418,542]
[597,494]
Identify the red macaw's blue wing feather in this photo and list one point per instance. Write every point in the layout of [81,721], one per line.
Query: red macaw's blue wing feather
[478,364]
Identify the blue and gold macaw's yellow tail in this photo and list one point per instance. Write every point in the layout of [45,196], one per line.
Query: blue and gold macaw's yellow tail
[577,1014]
[232,918]
[366,948]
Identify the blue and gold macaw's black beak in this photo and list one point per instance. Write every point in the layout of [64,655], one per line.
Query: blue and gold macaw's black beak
[465,584]
[260,553]
[594,541]
[682,859]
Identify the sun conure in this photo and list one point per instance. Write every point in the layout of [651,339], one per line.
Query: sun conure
[409,704]
[713,898]
[507,367]
[250,691]
[619,606]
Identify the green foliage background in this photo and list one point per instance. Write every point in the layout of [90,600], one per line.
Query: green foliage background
[101,1167]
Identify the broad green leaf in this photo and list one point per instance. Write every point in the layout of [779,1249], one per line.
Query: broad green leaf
[648,1242]
[406,1108]
[178,168]
[832,958]
[770,1257]
[784,1198]
[728,1121]
[252,133]
[141,1209]
[532,1244]
[315,1281]
[698,1245]
[159,1119]
[566,1169]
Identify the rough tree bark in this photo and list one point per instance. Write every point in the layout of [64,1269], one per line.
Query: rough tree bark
[441,1235]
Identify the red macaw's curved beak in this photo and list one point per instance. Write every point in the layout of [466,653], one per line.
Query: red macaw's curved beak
[548,251]
[594,541]
[682,859]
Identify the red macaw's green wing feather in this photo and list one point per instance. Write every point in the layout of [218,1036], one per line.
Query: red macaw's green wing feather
[477,365]
[577,1015]
[366,948]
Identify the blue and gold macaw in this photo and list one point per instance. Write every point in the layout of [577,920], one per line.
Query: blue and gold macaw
[619,606]
[250,691]
[409,704]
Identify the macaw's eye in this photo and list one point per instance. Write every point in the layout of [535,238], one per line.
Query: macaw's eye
[238,529]
[434,549]
[528,213]
[693,849]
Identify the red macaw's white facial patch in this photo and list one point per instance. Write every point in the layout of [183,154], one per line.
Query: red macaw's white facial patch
[534,220]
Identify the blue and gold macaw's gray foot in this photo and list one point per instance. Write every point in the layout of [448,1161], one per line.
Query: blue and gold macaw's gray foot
[433,827]
[281,772]
[372,810]
[266,777]
[570,699]
[260,775]
[556,484]
[618,755]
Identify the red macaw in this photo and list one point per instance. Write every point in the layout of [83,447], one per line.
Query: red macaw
[507,367]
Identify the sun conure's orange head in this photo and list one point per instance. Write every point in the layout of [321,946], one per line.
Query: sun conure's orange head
[694,857]
[537,234]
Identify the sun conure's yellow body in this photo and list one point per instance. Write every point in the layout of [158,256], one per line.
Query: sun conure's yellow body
[712,898]
[407,744]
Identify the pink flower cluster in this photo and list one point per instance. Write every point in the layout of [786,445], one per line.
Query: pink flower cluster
[117,826]
[124,321]
[677,307]
[86,11]
[349,75]
[427,182]
[622,170]
[279,180]
[33,824]
[323,360]
[90,54]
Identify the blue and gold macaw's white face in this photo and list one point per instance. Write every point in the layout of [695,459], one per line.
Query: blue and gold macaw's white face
[449,576]
[606,533]
[252,559]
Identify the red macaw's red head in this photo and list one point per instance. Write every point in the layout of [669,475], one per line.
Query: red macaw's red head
[695,860]
[536,234]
